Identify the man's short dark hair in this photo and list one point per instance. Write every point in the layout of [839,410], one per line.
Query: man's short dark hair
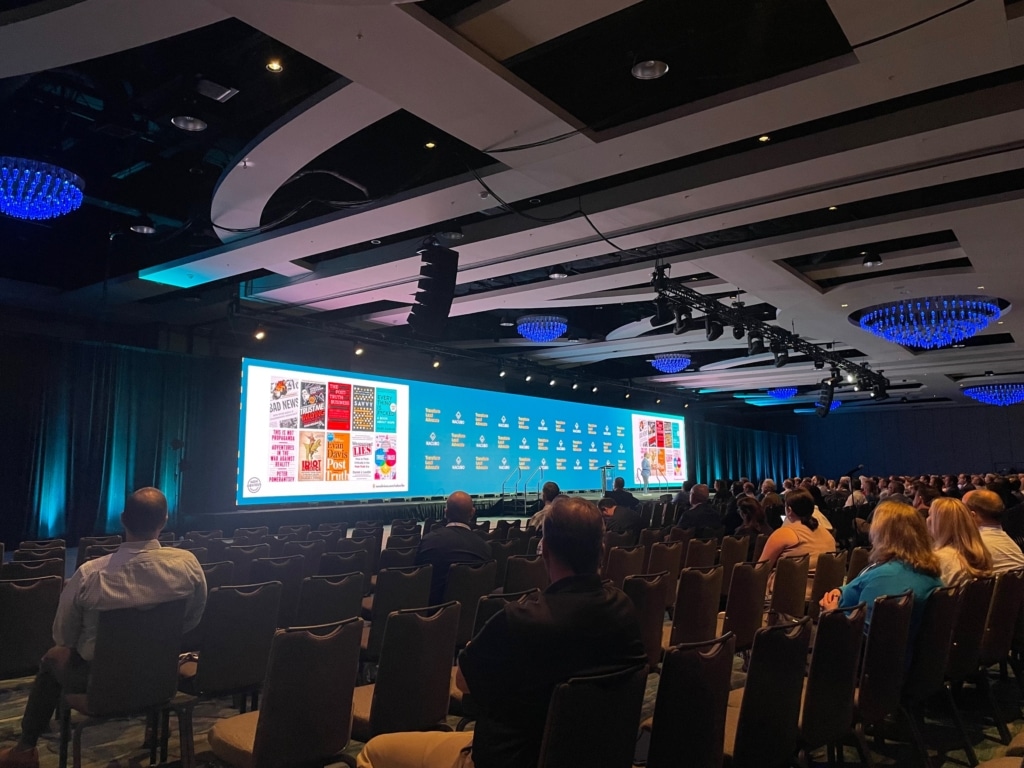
[549,491]
[607,503]
[459,508]
[573,533]
[145,511]
[618,483]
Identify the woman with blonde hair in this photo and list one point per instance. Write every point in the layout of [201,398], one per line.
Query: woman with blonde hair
[901,559]
[961,552]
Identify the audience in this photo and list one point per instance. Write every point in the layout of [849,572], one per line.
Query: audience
[958,546]
[800,534]
[454,543]
[700,514]
[547,495]
[987,508]
[623,498]
[620,518]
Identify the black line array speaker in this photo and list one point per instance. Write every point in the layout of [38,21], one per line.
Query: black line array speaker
[435,290]
[823,406]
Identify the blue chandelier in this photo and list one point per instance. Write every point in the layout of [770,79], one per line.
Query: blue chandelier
[30,189]
[672,362]
[931,322]
[541,327]
[782,393]
[996,394]
[834,404]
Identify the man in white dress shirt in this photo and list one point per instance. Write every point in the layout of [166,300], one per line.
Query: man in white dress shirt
[986,508]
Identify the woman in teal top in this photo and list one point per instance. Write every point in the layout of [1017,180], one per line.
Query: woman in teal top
[901,558]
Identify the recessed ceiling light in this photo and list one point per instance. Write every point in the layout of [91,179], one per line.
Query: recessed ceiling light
[436,362]
[528,377]
[594,388]
[844,306]
[551,383]
[359,350]
[260,334]
[764,138]
[507,322]
[1000,322]
[871,260]
[275,66]
[375,242]
[575,385]
[651,69]
[430,145]
[657,401]
[832,208]
[143,226]
[502,373]
[981,287]
[558,273]
[188,123]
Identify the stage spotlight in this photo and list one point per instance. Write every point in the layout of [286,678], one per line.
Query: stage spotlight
[738,331]
[662,312]
[781,354]
[878,393]
[819,364]
[712,328]
[658,278]
[683,317]
[755,343]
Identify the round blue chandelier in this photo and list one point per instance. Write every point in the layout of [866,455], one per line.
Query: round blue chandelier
[996,394]
[672,362]
[782,393]
[30,189]
[834,404]
[931,322]
[541,327]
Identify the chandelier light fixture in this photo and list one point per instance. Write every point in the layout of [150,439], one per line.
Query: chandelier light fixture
[34,190]
[996,394]
[782,393]
[834,404]
[672,362]
[931,322]
[541,327]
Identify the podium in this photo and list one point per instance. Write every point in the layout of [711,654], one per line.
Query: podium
[605,479]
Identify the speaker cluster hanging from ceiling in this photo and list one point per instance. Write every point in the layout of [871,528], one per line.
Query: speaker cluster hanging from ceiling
[435,290]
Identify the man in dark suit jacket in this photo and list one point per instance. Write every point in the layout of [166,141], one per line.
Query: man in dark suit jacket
[620,519]
[455,543]
[700,514]
[623,498]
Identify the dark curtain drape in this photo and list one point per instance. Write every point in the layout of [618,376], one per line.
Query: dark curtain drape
[97,422]
[721,452]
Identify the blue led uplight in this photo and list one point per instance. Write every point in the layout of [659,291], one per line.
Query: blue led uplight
[541,327]
[931,322]
[671,362]
[34,190]
[996,394]
[782,393]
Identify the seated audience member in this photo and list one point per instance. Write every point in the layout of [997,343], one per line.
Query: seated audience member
[754,522]
[547,495]
[620,519]
[700,514]
[139,574]
[800,534]
[767,486]
[958,546]
[454,543]
[683,496]
[901,559]
[819,504]
[987,509]
[623,498]
[577,626]
[723,496]
[774,507]
[924,495]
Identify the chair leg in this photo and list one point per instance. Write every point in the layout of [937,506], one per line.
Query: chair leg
[916,736]
[1018,672]
[164,732]
[862,746]
[76,746]
[958,718]
[65,736]
[1004,732]
[186,736]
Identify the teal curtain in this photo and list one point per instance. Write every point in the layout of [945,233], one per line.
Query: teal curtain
[721,452]
[99,422]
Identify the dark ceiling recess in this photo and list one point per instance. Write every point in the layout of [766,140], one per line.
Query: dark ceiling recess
[109,120]
[711,47]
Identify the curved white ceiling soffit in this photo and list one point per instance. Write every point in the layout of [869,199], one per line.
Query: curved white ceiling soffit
[296,139]
[95,28]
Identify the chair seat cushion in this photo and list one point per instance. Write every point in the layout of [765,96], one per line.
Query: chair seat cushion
[362,700]
[1016,748]
[232,739]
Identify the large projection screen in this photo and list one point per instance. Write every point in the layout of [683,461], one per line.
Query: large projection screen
[314,435]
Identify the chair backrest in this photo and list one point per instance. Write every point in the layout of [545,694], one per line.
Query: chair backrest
[789,591]
[430,524]
[88,541]
[405,527]
[623,562]
[328,599]
[218,574]
[289,570]
[342,528]
[403,541]
[167,537]
[95,551]
[832,677]
[467,583]
[371,543]
[858,561]
[685,535]
[302,531]
[398,558]
[667,556]
[695,616]
[1002,617]
[614,539]
[532,544]
[745,606]
[329,538]
[337,563]
[701,553]
[690,708]
[276,542]
[310,551]
[40,553]
[237,628]
[523,572]
[491,604]
[256,531]
[432,632]
[593,720]
[397,589]
[829,573]
[27,610]
[759,542]
[127,675]
[881,677]
[242,557]
[927,668]
[969,630]
[31,569]
[501,551]
[647,591]
[648,538]
[201,554]
[306,713]
[767,732]
[734,551]
[201,536]
[43,544]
